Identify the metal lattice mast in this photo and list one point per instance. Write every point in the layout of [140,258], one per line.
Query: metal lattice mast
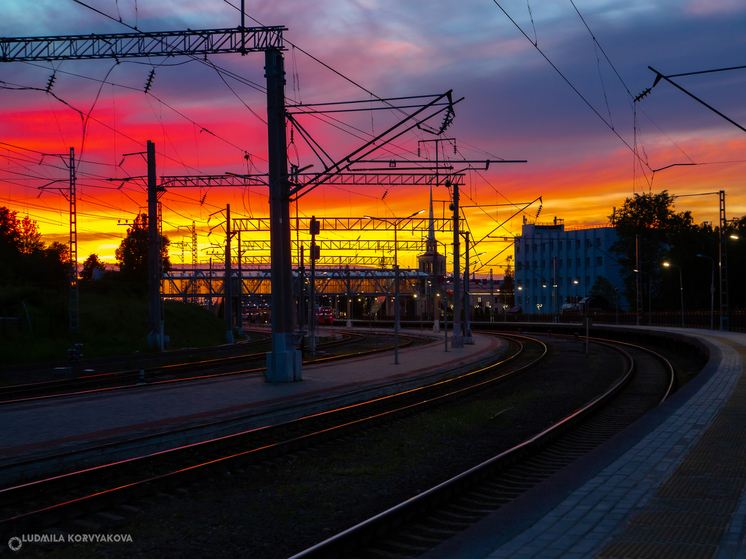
[723,265]
[74,302]
[195,287]
[160,261]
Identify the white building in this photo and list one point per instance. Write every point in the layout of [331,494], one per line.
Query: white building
[554,265]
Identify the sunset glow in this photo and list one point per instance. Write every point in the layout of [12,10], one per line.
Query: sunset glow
[205,121]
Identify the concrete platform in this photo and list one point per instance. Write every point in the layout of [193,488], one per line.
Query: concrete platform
[669,486]
[82,424]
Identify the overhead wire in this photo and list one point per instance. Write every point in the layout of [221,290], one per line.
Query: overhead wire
[582,97]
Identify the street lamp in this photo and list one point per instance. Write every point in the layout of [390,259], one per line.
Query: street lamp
[681,284]
[712,290]
[395,223]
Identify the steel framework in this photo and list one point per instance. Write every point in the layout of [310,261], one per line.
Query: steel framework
[358,245]
[138,45]
[200,284]
[415,224]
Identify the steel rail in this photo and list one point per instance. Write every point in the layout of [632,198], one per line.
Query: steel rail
[366,410]
[137,378]
[356,537]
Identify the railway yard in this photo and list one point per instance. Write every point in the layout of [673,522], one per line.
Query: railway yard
[363,458]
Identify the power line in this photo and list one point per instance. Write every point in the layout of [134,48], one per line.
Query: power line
[569,83]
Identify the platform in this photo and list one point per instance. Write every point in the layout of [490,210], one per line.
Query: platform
[83,423]
[671,485]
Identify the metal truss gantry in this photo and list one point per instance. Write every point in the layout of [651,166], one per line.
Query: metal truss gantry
[139,45]
[185,284]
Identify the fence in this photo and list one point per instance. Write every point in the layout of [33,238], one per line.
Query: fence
[692,319]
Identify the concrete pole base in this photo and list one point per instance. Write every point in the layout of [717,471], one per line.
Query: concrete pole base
[436,327]
[284,366]
[457,340]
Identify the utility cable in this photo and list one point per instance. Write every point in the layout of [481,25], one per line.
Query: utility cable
[568,81]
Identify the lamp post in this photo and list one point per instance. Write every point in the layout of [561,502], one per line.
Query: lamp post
[681,284]
[395,223]
[712,291]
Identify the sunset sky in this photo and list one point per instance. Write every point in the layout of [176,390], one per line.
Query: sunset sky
[580,150]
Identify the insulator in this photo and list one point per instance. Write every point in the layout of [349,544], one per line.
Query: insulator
[50,83]
[150,80]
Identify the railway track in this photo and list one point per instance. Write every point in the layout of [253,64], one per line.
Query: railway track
[423,522]
[45,502]
[202,369]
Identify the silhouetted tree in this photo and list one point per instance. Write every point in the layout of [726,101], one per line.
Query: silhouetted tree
[29,236]
[10,238]
[651,216]
[508,287]
[603,287]
[132,254]
[91,264]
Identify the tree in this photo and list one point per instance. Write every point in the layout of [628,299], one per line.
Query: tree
[509,282]
[10,234]
[91,264]
[661,230]
[9,243]
[132,254]
[603,287]
[29,236]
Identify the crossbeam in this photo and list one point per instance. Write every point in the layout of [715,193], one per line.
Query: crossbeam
[414,224]
[354,260]
[342,179]
[139,45]
[360,245]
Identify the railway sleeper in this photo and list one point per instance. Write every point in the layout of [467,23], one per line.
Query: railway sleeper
[433,531]
[438,520]
[469,509]
[457,516]
[477,499]
[427,539]
[399,545]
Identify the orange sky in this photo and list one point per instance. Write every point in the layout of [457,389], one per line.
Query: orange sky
[516,107]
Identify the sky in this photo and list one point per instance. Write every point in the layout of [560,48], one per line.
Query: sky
[549,82]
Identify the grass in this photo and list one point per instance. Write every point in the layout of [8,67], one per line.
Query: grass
[112,321]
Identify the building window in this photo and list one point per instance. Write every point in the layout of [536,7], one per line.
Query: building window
[587,261]
[587,281]
[519,266]
[560,281]
[520,299]
[560,245]
[599,261]
[577,244]
[542,264]
[560,262]
[569,262]
[534,264]
[518,247]
[578,262]
[543,299]
[598,242]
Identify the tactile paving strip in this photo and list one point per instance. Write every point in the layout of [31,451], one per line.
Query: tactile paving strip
[690,513]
